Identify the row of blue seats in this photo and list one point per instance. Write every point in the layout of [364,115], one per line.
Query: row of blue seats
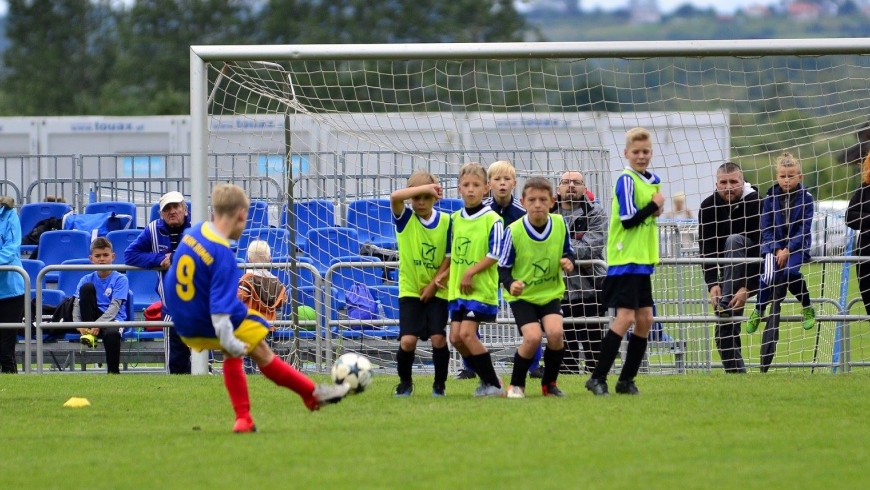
[371,218]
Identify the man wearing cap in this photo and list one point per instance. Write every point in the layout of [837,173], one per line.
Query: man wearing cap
[154,249]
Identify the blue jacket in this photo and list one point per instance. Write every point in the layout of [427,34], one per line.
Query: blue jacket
[151,247]
[11,283]
[794,234]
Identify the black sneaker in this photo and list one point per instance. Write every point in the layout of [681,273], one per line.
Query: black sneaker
[404,389]
[626,388]
[537,373]
[466,374]
[438,391]
[551,390]
[597,387]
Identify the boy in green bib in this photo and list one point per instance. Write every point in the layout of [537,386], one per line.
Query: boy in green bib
[535,251]
[421,233]
[632,254]
[475,246]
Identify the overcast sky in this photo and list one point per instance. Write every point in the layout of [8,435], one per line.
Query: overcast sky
[666,5]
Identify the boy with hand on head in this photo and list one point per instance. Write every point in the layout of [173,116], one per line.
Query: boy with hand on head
[534,286]
[632,253]
[421,233]
[786,227]
[474,247]
[201,294]
[100,297]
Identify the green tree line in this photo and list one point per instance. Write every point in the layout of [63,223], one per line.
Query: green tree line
[69,57]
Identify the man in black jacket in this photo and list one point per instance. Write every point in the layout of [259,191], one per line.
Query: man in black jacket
[730,228]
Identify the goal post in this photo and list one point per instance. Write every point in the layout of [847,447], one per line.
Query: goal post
[339,127]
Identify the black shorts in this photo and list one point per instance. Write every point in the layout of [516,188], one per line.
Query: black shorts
[475,316]
[422,320]
[632,291]
[525,312]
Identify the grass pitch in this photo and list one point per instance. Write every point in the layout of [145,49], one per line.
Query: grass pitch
[782,430]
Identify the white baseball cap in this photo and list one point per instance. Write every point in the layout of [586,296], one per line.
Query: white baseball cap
[170,198]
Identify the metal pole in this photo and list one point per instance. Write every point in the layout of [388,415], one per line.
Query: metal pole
[198,166]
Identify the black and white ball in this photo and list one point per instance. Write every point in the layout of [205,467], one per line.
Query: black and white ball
[354,370]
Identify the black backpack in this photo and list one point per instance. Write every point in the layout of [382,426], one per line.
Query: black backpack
[32,238]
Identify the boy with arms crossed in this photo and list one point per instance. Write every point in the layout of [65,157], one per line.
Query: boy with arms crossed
[474,247]
[421,232]
[201,294]
[534,286]
[632,253]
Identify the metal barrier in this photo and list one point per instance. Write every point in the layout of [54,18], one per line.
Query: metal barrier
[683,305]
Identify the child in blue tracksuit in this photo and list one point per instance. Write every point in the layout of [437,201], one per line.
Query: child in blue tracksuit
[786,221]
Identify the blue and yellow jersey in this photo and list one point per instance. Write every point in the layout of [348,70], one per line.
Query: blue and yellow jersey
[203,280]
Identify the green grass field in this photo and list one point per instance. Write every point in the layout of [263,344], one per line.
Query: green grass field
[787,430]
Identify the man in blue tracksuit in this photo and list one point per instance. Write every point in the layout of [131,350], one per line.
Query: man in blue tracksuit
[153,249]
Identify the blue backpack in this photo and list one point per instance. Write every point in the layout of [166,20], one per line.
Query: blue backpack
[361,305]
[97,224]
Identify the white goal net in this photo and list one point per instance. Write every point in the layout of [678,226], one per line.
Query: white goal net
[332,131]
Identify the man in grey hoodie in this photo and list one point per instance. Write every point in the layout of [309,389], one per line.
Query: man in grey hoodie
[587,225]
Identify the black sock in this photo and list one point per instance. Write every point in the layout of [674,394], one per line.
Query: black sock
[468,363]
[404,363]
[112,344]
[800,292]
[482,364]
[552,364]
[521,367]
[441,360]
[609,351]
[633,357]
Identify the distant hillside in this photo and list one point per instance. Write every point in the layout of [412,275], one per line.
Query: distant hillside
[615,26]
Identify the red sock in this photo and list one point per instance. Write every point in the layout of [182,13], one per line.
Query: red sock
[237,386]
[283,375]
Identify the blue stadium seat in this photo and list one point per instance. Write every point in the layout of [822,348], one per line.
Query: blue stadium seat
[121,239]
[117,207]
[344,278]
[143,284]
[449,205]
[67,281]
[277,238]
[326,243]
[155,211]
[304,277]
[31,214]
[59,245]
[373,220]
[32,267]
[316,213]
[258,215]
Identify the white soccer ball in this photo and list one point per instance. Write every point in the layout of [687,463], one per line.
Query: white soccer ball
[354,370]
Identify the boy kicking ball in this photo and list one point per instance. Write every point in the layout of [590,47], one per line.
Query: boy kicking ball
[201,294]
[534,284]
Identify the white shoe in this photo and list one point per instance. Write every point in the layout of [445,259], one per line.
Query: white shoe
[325,394]
[516,392]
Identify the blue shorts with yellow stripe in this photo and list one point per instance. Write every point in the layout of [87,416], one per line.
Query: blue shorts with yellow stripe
[253,329]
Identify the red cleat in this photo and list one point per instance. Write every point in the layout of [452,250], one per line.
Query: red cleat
[244,425]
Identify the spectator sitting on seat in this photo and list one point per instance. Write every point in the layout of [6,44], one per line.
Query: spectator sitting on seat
[259,289]
[154,248]
[51,198]
[679,209]
[100,297]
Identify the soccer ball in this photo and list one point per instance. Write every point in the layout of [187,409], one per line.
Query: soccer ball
[354,370]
